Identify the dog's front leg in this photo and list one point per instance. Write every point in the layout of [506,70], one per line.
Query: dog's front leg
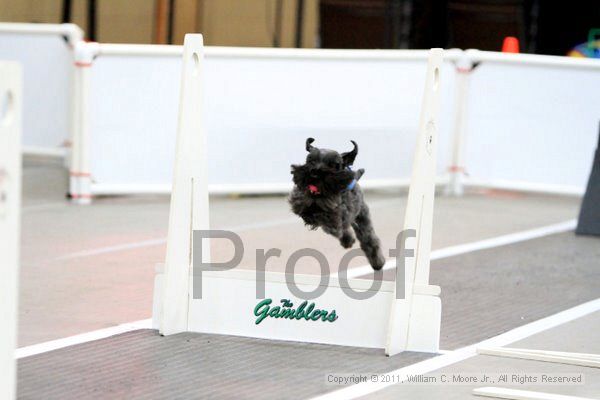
[342,232]
[334,230]
[347,240]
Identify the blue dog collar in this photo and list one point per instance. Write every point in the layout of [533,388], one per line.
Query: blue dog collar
[352,184]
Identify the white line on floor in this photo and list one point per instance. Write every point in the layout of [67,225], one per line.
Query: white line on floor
[157,242]
[161,241]
[43,206]
[480,245]
[82,338]
[517,394]
[435,363]
[112,249]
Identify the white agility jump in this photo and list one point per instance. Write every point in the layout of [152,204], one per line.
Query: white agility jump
[10,202]
[229,304]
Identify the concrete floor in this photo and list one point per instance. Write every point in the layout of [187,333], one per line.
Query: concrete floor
[484,294]
[580,335]
[90,267]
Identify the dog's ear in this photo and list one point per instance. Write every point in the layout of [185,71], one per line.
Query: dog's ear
[309,146]
[351,155]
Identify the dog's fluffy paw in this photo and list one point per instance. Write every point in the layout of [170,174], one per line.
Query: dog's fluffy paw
[378,262]
[347,241]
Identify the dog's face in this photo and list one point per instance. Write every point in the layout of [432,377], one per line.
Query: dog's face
[326,172]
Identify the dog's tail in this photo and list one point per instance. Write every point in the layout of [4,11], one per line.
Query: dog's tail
[358,174]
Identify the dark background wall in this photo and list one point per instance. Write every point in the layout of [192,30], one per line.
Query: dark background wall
[545,27]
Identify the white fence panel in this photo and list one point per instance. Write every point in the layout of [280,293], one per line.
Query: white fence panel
[532,124]
[45,53]
[259,111]
[133,118]
[539,114]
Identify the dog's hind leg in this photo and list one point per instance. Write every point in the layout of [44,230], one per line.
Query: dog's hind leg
[369,242]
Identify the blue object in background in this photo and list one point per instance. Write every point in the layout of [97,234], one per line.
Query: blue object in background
[589,49]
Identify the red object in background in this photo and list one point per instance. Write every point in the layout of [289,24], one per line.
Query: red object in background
[510,45]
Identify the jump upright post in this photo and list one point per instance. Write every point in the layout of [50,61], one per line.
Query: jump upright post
[10,203]
[229,303]
[80,180]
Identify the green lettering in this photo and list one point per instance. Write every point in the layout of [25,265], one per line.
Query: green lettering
[305,311]
[324,315]
[332,317]
[308,311]
[316,315]
[300,310]
[274,312]
[261,310]
[286,303]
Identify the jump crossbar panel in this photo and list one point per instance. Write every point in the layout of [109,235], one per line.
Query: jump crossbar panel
[10,201]
[229,304]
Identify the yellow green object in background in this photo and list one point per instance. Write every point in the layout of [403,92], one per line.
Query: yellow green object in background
[589,49]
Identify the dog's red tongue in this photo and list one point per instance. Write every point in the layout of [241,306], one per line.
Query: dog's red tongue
[313,189]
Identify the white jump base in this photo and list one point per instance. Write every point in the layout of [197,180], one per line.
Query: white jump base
[229,304]
[10,202]
[351,330]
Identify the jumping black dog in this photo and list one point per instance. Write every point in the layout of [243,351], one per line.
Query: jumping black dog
[326,194]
